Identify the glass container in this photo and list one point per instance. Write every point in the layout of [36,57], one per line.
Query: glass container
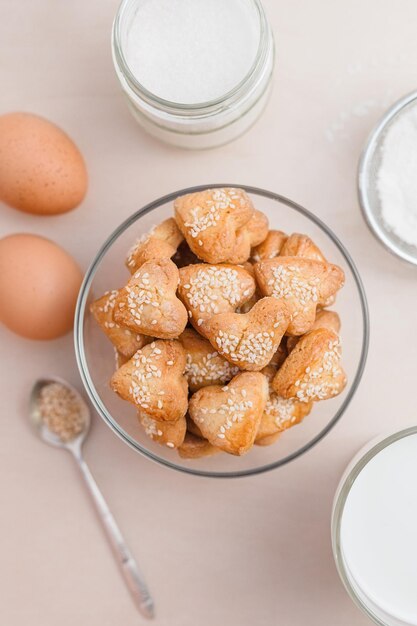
[368,579]
[205,124]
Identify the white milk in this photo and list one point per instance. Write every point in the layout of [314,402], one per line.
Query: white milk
[378,533]
[192,51]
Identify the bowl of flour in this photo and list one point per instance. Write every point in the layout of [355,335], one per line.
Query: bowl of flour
[387,179]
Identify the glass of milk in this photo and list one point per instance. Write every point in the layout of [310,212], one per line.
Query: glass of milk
[374,529]
[196,73]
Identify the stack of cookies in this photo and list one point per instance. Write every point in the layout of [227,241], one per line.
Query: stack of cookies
[222,335]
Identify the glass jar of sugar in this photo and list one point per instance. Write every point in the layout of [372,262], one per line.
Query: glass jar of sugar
[374,532]
[196,73]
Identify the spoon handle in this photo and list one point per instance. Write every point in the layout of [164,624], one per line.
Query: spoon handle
[132,575]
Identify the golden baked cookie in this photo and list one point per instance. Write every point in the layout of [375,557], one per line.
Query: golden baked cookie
[252,234]
[302,246]
[153,380]
[324,319]
[302,284]
[267,441]
[207,290]
[312,371]
[160,243]
[196,447]
[257,228]
[210,221]
[229,416]
[280,413]
[204,365]
[148,303]
[249,340]
[125,340]
[270,247]
[170,434]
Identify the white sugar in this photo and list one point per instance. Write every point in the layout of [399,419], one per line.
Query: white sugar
[397,177]
[192,51]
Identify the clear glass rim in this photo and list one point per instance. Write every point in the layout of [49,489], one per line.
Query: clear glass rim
[199,108]
[79,335]
[363,179]
[338,508]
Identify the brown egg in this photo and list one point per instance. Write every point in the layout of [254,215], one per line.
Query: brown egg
[41,169]
[39,284]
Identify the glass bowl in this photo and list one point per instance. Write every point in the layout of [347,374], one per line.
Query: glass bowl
[95,355]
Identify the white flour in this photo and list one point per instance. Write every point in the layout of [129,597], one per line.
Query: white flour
[397,177]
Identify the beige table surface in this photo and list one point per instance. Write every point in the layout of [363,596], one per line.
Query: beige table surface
[252,551]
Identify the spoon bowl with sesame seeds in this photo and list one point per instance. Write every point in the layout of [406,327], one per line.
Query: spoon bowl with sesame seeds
[61,418]
[96,358]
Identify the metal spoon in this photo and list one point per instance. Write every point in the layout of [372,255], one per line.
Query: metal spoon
[128,566]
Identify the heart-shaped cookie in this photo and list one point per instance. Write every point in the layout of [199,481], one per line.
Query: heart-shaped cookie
[170,434]
[302,246]
[229,416]
[251,234]
[280,413]
[302,284]
[270,247]
[249,340]
[204,366]
[148,303]
[312,371]
[211,219]
[267,441]
[160,243]
[126,341]
[194,447]
[207,290]
[153,381]
[324,319]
